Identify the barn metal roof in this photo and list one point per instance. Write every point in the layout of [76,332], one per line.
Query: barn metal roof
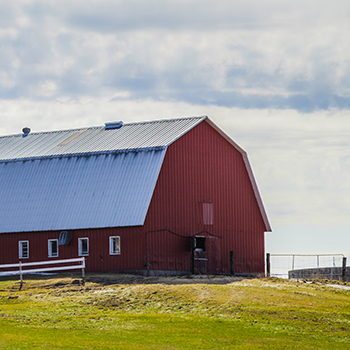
[93,191]
[132,136]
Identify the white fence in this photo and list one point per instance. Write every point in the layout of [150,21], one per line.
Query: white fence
[285,265]
[22,267]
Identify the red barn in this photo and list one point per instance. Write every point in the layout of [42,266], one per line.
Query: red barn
[159,197]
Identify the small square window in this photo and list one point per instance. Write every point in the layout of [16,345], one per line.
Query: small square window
[23,249]
[83,246]
[114,245]
[53,248]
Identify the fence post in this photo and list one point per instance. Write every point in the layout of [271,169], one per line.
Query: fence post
[83,269]
[268,267]
[20,275]
[232,263]
[192,261]
[344,270]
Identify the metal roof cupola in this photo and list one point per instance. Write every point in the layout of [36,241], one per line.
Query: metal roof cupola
[25,131]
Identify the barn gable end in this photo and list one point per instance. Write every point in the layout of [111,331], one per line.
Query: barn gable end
[202,171]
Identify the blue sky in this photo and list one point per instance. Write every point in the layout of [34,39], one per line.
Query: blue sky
[274,75]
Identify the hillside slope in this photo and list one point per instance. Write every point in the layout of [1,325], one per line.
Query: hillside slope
[173,313]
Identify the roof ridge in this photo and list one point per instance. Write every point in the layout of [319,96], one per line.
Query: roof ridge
[139,135]
[102,126]
[167,120]
[48,132]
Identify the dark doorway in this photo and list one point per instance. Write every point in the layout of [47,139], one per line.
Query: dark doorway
[199,255]
[206,257]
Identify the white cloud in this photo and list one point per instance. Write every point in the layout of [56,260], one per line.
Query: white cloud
[255,67]
[250,54]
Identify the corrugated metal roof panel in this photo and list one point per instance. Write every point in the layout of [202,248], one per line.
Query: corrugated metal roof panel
[133,136]
[107,190]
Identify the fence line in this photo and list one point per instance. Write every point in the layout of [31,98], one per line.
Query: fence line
[328,266]
[21,271]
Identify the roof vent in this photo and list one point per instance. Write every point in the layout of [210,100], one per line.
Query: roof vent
[113,125]
[25,131]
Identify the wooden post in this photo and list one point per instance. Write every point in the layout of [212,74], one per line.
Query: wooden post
[192,261]
[147,264]
[232,263]
[268,266]
[344,270]
[20,275]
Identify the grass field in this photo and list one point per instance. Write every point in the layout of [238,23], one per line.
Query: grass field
[249,314]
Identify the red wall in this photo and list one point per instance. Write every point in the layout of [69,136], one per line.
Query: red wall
[200,166]
[132,240]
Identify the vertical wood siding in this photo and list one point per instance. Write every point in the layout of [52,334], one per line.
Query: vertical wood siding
[201,167]
[132,243]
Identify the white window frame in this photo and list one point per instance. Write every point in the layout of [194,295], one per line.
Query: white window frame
[20,249]
[50,248]
[80,240]
[111,245]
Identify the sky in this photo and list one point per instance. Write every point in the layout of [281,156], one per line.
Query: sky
[273,74]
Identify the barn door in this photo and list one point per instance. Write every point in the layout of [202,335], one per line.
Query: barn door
[199,255]
[213,254]
[206,257]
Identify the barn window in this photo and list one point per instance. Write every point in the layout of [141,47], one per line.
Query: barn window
[23,249]
[53,248]
[207,213]
[114,245]
[83,246]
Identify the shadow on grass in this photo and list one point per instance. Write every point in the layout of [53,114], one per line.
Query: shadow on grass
[110,278]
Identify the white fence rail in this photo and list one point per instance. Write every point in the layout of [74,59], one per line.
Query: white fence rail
[327,266]
[22,267]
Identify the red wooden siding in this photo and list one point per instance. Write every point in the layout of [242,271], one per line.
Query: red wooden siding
[168,251]
[132,243]
[202,167]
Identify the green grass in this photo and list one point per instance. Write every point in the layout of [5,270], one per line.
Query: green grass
[250,314]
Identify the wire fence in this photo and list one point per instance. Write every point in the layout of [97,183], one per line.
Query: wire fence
[325,266]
